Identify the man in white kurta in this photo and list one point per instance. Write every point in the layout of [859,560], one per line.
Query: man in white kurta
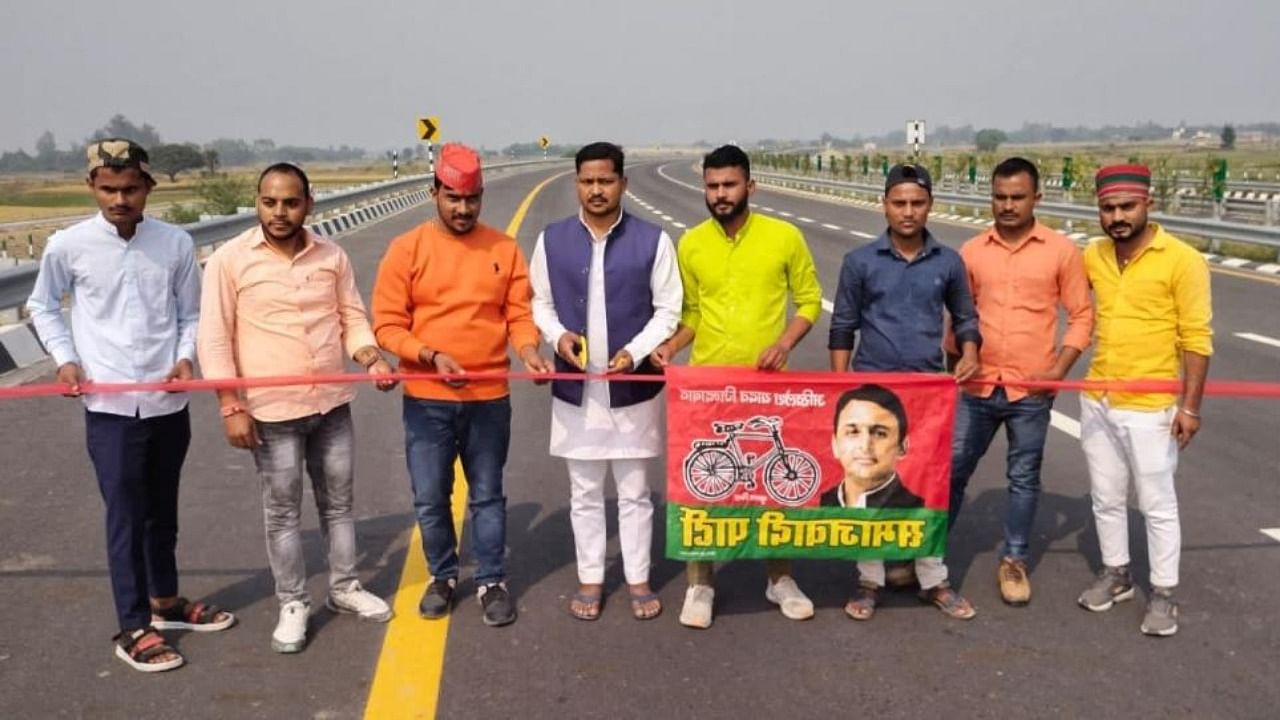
[598,436]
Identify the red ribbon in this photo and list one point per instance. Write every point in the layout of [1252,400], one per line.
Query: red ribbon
[1219,388]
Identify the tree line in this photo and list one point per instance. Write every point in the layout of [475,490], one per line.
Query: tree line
[170,159]
[1031,133]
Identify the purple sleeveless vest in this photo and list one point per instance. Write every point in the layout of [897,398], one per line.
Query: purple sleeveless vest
[628,268]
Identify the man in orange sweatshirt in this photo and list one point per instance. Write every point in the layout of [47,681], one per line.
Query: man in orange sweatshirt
[450,295]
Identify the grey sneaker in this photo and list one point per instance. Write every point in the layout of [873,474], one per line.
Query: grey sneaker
[1162,613]
[496,601]
[1112,586]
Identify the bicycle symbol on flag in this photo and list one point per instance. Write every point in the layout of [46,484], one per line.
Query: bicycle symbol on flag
[715,467]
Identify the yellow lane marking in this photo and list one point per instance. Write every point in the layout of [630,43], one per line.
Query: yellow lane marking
[406,681]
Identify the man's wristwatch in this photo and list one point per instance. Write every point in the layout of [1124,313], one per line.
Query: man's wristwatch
[232,409]
[431,356]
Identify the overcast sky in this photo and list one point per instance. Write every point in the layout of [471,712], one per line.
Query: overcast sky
[324,72]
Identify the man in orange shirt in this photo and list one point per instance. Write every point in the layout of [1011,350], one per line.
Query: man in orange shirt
[1020,272]
[279,300]
[450,295]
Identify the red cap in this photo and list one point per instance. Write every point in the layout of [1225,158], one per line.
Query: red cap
[459,168]
[1123,180]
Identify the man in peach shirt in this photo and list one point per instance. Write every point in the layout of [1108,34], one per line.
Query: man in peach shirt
[1020,272]
[279,300]
[451,293]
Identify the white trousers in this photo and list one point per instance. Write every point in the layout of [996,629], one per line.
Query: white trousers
[635,517]
[1123,446]
[930,572]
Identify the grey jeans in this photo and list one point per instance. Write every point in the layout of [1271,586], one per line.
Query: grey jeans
[325,443]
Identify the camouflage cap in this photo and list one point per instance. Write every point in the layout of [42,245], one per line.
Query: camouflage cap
[118,153]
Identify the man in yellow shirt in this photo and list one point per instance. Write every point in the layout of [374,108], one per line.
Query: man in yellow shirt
[738,270]
[1153,306]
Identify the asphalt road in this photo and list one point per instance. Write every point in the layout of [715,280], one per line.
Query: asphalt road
[1047,659]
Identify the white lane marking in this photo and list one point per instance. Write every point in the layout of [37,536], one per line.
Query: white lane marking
[1273,533]
[668,218]
[805,219]
[755,206]
[684,184]
[1235,262]
[784,213]
[655,211]
[1259,339]
[861,234]
[767,209]
[679,224]
[1065,423]
[829,226]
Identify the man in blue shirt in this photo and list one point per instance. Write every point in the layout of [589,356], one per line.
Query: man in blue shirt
[135,302]
[891,297]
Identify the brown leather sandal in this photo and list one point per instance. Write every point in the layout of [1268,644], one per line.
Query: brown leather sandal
[862,606]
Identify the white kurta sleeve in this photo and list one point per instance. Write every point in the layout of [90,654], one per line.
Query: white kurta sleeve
[544,307]
[668,295]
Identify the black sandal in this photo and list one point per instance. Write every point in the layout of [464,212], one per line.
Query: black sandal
[187,615]
[139,647]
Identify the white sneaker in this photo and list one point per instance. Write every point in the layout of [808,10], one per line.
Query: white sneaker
[696,612]
[358,601]
[787,595]
[290,635]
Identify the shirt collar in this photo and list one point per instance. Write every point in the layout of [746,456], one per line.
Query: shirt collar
[622,213]
[884,245]
[102,222]
[878,489]
[1038,234]
[258,239]
[1159,241]
[742,231]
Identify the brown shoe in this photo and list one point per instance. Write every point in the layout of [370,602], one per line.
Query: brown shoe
[1015,586]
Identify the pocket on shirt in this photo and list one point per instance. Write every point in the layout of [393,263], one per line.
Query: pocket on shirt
[1035,293]
[318,287]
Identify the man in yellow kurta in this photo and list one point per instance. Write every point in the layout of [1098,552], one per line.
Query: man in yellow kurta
[739,269]
[1153,307]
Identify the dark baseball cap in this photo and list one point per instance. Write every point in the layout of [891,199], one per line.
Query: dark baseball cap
[908,173]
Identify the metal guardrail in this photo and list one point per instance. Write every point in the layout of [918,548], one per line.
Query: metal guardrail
[16,283]
[1208,228]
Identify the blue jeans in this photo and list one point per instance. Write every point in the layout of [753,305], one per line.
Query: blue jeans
[325,446]
[436,433]
[1026,425]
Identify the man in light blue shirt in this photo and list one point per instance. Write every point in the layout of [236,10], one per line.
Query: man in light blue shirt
[135,300]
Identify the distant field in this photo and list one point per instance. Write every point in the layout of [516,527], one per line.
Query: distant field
[34,197]
[1258,161]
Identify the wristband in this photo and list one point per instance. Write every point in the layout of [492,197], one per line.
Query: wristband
[1188,413]
[232,409]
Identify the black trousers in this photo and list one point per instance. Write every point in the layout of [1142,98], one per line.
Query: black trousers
[138,462]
